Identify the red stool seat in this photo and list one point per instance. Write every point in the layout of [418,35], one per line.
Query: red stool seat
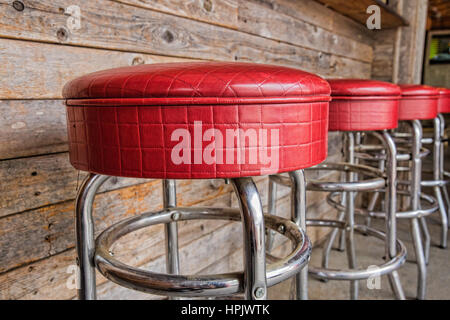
[197,120]
[418,102]
[444,100]
[363,105]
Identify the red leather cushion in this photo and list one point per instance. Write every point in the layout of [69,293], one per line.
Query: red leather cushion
[418,102]
[444,100]
[130,121]
[363,105]
[362,87]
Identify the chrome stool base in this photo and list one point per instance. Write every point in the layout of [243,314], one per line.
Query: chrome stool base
[252,282]
[377,180]
[360,274]
[420,205]
[195,285]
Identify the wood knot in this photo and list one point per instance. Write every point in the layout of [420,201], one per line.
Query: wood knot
[18,5]
[207,5]
[168,36]
[137,60]
[62,34]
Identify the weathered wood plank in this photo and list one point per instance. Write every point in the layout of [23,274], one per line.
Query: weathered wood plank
[317,14]
[128,28]
[40,233]
[39,71]
[34,182]
[260,20]
[356,10]
[32,127]
[383,50]
[219,12]
[188,38]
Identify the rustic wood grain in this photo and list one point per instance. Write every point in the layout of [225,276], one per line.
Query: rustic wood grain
[128,28]
[261,20]
[39,71]
[29,183]
[356,10]
[219,12]
[32,127]
[317,14]
[50,229]
[187,39]
[32,71]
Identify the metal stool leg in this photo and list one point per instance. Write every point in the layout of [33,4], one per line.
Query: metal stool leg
[375,196]
[254,242]
[447,201]
[85,235]
[426,238]
[271,209]
[438,175]
[298,215]
[391,208]
[171,229]
[415,201]
[441,165]
[420,257]
[332,236]
[342,241]
[350,216]
[444,218]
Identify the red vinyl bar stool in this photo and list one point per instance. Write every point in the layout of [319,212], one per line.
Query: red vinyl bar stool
[199,120]
[418,103]
[371,107]
[439,182]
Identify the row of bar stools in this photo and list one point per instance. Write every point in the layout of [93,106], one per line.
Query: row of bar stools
[417,103]
[199,120]
[361,106]
[439,182]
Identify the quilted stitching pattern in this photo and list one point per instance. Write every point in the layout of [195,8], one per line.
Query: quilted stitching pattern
[196,79]
[363,115]
[121,139]
[362,87]
[363,105]
[135,141]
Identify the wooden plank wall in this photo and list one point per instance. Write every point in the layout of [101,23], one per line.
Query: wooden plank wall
[398,53]
[39,53]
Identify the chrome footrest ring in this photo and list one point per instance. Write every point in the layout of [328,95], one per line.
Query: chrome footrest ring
[195,285]
[377,180]
[358,274]
[429,205]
